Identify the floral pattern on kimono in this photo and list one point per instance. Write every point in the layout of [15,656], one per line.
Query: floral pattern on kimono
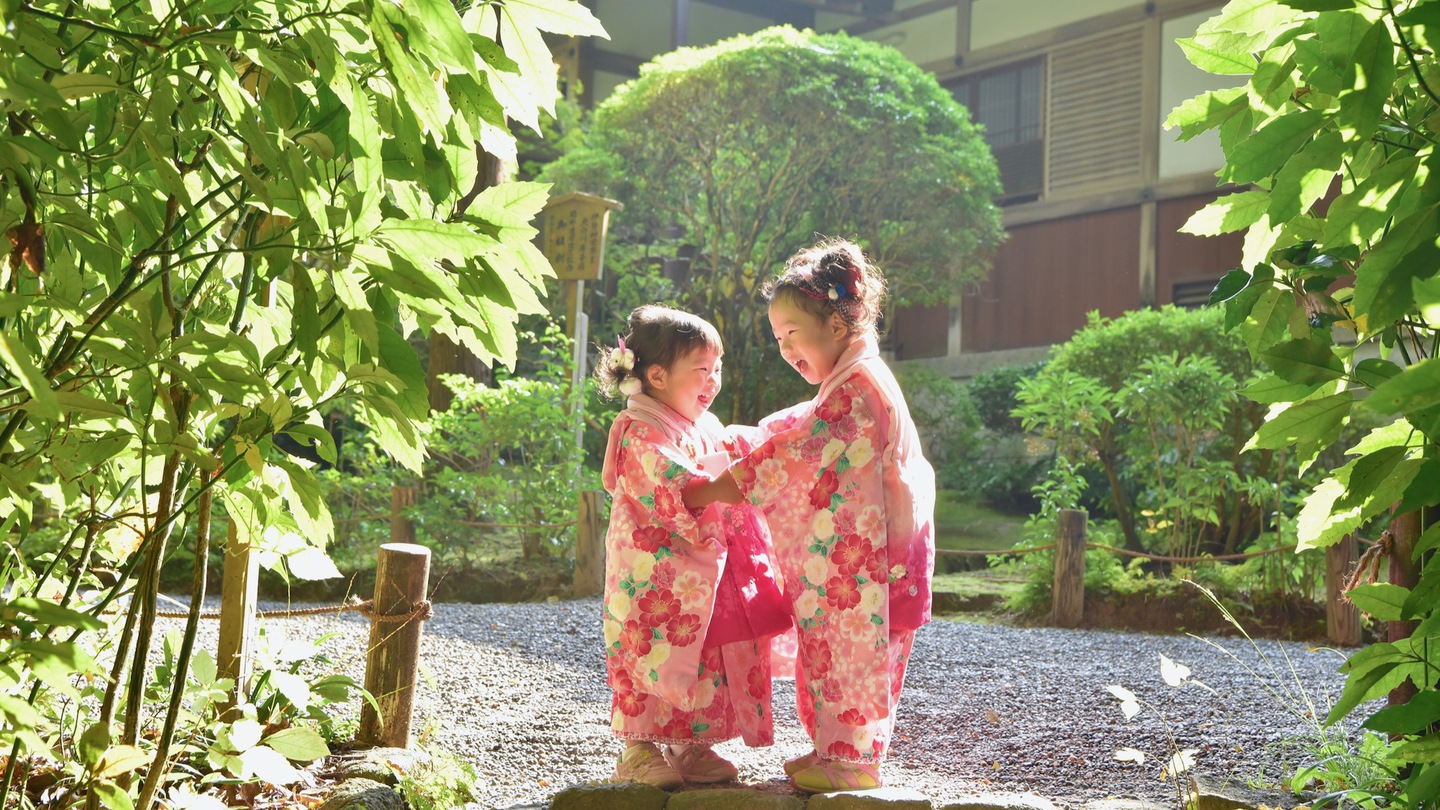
[663,565]
[856,570]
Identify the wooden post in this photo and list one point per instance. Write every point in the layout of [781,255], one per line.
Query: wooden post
[1342,619]
[402,572]
[239,599]
[589,576]
[1068,601]
[1404,532]
[401,529]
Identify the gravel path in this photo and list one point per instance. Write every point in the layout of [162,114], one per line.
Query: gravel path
[519,691]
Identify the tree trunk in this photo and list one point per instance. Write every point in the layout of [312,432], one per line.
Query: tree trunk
[446,356]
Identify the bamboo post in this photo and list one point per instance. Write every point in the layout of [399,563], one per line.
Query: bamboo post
[239,599]
[1068,600]
[589,576]
[402,572]
[1342,619]
[401,529]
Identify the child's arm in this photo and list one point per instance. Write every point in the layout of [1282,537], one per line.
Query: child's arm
[700,493]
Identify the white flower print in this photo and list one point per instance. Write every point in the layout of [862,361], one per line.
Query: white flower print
[807,604]
[817,570]
[832,451]
[871,595]
[612,631]
[642,567]
[856,625]
[823,526]
[659,654]
[771,475]
[860,453]
[620,605]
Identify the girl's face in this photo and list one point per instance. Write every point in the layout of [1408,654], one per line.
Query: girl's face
[811,345]
[689,385]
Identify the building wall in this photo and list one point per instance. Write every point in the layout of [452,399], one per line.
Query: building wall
[1049,275]
[1196,262]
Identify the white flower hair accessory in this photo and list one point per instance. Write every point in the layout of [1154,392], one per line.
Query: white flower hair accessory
[630,386]
[621,357]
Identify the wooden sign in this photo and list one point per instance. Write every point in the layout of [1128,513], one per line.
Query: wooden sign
[573,235]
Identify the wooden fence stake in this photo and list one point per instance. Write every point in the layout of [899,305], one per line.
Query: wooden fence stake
[402,573]
[401,529]
[1342,619]
[1068,600]
[239,599]
[1404,531]
[589,576]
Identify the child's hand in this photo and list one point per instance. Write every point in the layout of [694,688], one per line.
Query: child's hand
[701,492]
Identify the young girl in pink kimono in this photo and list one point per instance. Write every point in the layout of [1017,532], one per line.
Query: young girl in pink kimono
[691,597]
[849,499]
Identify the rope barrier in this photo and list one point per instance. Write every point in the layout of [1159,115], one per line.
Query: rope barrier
[423,610]
[472,523]
[1004,552]
[966,552]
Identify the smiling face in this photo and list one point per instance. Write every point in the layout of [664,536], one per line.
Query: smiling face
[690,384]
[809,343]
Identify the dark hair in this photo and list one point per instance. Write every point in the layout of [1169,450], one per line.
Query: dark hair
[831,276]
[659,336]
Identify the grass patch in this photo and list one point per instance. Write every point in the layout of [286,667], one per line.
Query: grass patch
[963,523]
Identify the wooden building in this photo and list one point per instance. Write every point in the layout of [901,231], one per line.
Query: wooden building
[1073,95]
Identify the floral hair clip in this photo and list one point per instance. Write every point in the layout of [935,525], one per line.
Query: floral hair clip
[621,357]
[837,291]
[622,360]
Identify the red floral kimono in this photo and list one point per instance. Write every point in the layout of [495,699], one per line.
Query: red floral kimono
[691,599]
[850,500]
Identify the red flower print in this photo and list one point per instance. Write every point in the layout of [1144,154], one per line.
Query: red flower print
[683,629]
[678,729]
[744,473]
[842,591]
[852,717]
[843,749]
[650,538]
[844,521]
[667,503]
[826,486]
[849,555]
[663,576]
[765,452]
[630,703]
[834,408]
[636,637]
[811,449]
[830,690]
[755,682]
[658,606]
[815,656]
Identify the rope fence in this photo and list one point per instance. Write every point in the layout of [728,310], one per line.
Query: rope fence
[1018,552]
[471,523]
[423,611]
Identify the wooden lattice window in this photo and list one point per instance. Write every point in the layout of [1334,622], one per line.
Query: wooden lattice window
[1010,103]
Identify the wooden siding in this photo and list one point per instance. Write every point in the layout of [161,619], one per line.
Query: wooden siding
[918,332]
[1096,113]
[1181,258]
[1048,275]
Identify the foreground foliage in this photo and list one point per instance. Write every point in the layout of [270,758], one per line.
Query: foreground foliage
[225,218]
[1342,302]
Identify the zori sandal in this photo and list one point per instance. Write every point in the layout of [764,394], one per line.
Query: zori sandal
[700,765]
[801,762]
[830,775]
[645,764]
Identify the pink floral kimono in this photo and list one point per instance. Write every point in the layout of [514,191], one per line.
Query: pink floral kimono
[691,598]
[850,501]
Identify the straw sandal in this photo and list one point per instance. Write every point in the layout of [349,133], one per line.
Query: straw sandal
[699,764]
[801,762]
[645,764]
[830,775]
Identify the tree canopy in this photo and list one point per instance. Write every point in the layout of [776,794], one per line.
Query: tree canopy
[751,147]
[1330,140]
[225,217]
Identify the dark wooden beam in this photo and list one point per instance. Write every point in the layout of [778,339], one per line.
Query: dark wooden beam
[800,15]
[612,62]
[877,20]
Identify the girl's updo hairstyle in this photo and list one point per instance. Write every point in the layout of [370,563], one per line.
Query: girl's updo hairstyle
[656,336]
[831,276]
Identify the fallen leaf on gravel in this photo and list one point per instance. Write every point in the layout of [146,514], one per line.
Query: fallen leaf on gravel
[1130,755]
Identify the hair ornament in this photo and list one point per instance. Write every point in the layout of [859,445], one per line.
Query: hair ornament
[630,386]
[622,358]
[837,291]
